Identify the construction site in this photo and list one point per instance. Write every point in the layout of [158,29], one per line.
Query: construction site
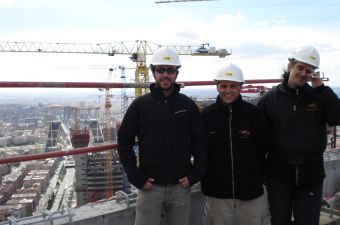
[59,163]
[97,175]
[65,169]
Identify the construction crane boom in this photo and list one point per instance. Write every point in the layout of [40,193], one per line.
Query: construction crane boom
[111,49]
[136,49]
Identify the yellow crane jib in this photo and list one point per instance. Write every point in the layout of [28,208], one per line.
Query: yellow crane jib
[137,50]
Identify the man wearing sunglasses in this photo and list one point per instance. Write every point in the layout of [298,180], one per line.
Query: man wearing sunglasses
[170,134]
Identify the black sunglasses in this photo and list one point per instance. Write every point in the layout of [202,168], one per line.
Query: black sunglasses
[168,70]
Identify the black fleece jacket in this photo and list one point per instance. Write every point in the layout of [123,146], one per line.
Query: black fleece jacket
[170,132]
[297,119]
[236,150]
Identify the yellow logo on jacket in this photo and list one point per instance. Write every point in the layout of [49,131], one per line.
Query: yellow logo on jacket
[244,133]
[312,106]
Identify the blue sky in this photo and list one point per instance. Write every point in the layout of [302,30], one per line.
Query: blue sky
[260,35]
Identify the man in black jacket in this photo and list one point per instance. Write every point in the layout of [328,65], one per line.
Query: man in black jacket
[170,132]
[233,182]
[297,114]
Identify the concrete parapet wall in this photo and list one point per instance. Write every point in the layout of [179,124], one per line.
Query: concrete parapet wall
[127,216]
[332,180]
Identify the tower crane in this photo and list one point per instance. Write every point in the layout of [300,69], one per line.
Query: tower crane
[138,50]
[109,126]
[124,98]
[108,138]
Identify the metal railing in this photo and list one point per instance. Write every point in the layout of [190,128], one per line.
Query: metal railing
[332,154]
[46,216]
[127,199]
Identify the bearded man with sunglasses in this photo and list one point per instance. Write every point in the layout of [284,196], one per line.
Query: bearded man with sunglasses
[170,133]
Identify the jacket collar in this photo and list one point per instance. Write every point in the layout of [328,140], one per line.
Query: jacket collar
[305,89]
[157,92]
[235,105]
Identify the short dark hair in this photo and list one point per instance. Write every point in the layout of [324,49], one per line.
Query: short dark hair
[152,67]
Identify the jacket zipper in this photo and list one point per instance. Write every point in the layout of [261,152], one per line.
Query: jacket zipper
[297,175]
[295,113]
[295,163]
[231,153]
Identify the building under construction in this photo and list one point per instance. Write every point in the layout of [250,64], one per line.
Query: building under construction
[97,175]
[95,179]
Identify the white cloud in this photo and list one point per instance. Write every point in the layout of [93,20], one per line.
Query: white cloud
[263,23]
[7,3]
[280,21]
[230,20]
[187,34]
[260,50]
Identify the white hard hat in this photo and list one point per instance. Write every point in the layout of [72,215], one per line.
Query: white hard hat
[230,73]
[165,56]
[307,54]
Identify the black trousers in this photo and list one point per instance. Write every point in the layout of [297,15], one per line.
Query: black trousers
[285,200]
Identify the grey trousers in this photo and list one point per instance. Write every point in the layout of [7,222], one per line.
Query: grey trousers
[236,212]
[171,201]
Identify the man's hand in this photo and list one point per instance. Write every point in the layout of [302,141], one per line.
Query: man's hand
[184,181]
[148,183]
[315,79]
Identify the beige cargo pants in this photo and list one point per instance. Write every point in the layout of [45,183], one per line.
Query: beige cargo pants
[236,212]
